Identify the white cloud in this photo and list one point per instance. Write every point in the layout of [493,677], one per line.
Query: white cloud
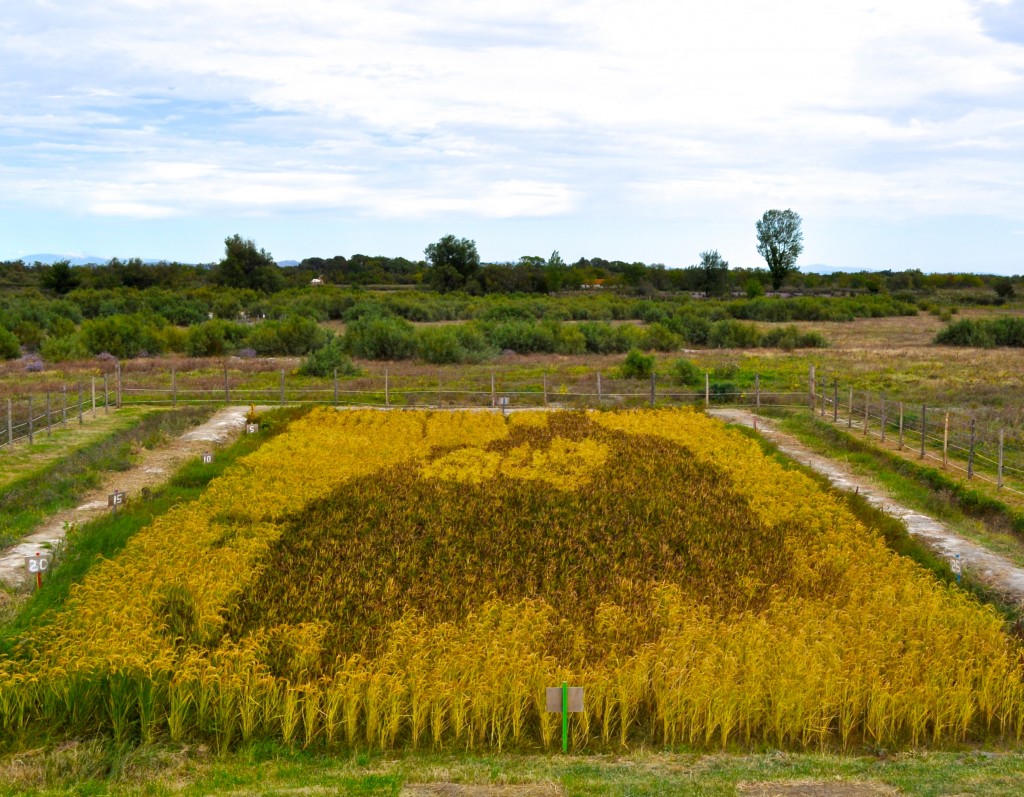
[147,108]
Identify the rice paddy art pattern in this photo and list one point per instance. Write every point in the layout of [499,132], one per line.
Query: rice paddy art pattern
[389,579]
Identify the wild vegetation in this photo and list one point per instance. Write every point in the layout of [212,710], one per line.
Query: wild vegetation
[441,569]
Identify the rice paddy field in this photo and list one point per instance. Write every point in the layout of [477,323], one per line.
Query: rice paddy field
[401,580]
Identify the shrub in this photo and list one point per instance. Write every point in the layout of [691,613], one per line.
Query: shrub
[30,334]
[600,337]
[812,340]
[292,335]
[439,345]
[175,339]
[686,372]
[9,346]
[570,340]
[123,336]
[324,361]
[967,333]
[692,328]
[637,365]
[522,337]
[789,337]
[722,392]
[62,349]
[729,334]
[660,338]
[381,338]
[214,338]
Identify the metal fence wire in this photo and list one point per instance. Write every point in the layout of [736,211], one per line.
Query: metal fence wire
[981,446]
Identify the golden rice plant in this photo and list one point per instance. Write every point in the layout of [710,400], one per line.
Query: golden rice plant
[418,579]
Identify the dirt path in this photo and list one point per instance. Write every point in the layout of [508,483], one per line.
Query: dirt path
[989,568]
[155,467]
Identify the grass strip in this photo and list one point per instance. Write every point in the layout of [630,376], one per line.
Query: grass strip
[60,484]
[100,767]
[105,537]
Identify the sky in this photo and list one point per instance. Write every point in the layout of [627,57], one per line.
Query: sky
[651,130]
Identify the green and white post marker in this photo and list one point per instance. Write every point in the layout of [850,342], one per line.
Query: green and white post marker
[564,699]
[565,717]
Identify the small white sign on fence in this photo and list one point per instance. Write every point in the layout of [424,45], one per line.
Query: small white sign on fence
[207,458]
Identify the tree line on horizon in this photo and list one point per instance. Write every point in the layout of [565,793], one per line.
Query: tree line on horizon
[452,264]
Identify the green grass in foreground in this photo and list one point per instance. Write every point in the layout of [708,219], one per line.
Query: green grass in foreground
[104,537]
[98,768]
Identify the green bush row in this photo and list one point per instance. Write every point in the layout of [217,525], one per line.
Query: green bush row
[389,337]
[983,333]
[34,319]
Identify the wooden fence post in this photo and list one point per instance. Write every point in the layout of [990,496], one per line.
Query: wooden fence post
[653,389]
[599,387]
[945,441]
[494,393]
[835,401]
[545,389]
[924,427]
[106,395]
[999,479]
[174,388]
[30,420]
[48,413]
[93,389]
[883,417]
[970,455]
[387,390]
[810,381]
[849,417]
[707,389]
[118,397]
[335,387]
[757,390]
[64,407]
[901,426]
[867,401]
[227,388]
[282,387]
[10,424]
[81,401]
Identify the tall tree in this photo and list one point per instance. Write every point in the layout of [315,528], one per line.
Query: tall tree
[245,266]
[453,262]
[59,277]
[780,242]
[714,272]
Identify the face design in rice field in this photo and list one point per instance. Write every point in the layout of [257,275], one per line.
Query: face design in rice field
[404,578]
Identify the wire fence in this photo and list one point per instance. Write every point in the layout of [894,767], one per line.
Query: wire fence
[978,445]
[29,416]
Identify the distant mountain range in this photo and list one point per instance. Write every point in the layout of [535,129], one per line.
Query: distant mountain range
[84,260]
[95,260]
